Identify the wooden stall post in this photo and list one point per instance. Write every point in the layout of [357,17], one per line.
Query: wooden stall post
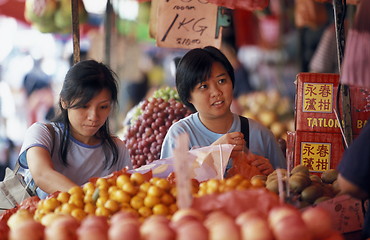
[346,123]
[75,31]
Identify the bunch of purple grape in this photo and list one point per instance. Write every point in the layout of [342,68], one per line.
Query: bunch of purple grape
[145,135]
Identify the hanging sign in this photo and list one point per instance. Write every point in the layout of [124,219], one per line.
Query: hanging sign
[189,24]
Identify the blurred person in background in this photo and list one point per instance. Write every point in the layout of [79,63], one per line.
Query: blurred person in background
[39,94]
[7,111]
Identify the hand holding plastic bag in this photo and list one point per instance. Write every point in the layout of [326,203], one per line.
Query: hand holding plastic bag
[248,165]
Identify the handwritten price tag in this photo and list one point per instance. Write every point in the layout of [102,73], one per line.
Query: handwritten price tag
[187,24]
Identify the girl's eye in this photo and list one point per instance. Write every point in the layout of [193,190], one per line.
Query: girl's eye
[222,80]
[104,107]
[203,86]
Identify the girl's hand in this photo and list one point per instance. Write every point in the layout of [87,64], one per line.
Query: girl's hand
[234,138]
[263,164]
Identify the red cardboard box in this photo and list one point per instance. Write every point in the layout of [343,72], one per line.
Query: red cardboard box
[317,151]
[346,212]
[316,100]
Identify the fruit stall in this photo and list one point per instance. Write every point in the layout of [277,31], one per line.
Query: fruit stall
[159,200]
[144,203]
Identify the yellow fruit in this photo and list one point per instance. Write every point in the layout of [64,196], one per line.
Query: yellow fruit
[102,183]
[112,181]
[88,188]
[145,211]
[145,186]
[153,180]
[257,182]
[136,202]
[163,184]
[88,198]
[89,208]
[231,182]
[203,185]
[112,189]
[102,211]
[173,208]
[67,208]
[76,190]
[76,200]
[63,197]
[104,193]
[141,194]
[50,204]
[112,205]
[160,209]
[129,188]
[137,178]
[155,191]
[120,196]
[212,185]
[101,201]
[167,199]
[78,213]
[150,201]
[122,179]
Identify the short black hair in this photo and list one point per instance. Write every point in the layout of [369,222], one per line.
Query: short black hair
[195,67]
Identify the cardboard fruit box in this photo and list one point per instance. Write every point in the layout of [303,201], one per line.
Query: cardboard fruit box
[316,101]
[317,151]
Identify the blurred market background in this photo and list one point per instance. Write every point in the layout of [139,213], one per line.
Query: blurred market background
[267,47]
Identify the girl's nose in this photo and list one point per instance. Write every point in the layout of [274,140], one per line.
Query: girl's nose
[216,91]
[92,115]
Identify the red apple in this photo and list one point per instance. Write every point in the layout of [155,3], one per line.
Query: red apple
[124,230]
[28,229]
[93,228]
[187,212]
[157,227]
[256,229]
[334,235]
[291,228]
[62,228]
[193,229]
[318,221]
[118,216]
[221,226]
[278,213]
[249,215]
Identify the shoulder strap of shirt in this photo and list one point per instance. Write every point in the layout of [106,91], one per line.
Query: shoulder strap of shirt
[244,128]
[52,132]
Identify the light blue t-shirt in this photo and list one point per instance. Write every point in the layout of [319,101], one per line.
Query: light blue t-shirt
[84,161]
[261,140]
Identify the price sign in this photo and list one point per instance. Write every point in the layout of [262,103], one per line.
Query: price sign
[188,24]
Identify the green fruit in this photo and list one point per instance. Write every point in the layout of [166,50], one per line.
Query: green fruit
[315,178]
[311,193]
[273,186]
[262,177]
[322,199]
[300,168]
[298,182]
[336,187]
[329,176]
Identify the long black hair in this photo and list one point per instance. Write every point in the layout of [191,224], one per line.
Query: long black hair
[83,81]
[195,67]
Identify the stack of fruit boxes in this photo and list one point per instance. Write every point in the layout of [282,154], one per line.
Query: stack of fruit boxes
[317,141]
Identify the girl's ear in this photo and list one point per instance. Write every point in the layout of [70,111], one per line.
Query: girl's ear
[63,103]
